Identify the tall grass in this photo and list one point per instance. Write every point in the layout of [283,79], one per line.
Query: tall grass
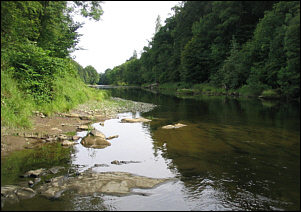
[68,92]
[16,106]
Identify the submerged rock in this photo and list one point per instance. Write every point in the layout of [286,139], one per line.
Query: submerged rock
[117,162]
[104,182]
[113,136]
[101,165]
[174,126]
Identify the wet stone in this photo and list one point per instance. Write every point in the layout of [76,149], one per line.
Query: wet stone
[12,194]
[55,169]
[33,173]
[101,165]
[90,183]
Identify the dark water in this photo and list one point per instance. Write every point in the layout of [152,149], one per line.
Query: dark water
[234,154]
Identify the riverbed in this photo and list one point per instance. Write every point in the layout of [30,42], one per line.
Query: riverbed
[233,154]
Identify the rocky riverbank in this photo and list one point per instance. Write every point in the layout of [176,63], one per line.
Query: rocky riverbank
[85,183]
[53,128]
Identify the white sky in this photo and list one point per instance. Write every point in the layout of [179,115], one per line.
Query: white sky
[124,27]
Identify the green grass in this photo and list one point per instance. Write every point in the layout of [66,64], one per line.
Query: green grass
[17,106]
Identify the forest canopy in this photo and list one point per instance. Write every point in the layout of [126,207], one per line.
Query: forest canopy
[253,45]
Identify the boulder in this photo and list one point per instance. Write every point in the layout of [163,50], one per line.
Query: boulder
[135,120]
[33,173]
[95,142]
[97,133]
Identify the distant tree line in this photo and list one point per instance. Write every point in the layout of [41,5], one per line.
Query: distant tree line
[253,45]
[88,75]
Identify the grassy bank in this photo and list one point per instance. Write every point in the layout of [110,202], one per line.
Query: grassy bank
[18,104]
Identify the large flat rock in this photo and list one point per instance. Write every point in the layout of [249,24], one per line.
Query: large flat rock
[135,120]
[103,182]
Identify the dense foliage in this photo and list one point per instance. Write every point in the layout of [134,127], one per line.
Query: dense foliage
[248,45]
[37,72]
[88,75]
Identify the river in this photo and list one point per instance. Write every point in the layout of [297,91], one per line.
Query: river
[234,154]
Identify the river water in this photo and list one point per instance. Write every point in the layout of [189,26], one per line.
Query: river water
[234,154]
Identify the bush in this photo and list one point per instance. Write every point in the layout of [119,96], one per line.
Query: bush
[35,81]
[270,93]
[253,90]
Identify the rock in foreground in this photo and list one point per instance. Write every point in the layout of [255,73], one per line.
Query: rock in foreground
[14,193]
[104,182]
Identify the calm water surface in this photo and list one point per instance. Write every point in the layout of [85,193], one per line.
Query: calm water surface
[234,154]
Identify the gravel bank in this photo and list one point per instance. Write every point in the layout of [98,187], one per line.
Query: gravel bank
[111,107]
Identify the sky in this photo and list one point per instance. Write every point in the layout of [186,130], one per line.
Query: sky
[125,26]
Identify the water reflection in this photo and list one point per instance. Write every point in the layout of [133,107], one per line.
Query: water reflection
[234,154]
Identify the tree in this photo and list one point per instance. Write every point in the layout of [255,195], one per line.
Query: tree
[158,24]
[235,44]
[36,40]
[134,56]
[80,70]
[93,76]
